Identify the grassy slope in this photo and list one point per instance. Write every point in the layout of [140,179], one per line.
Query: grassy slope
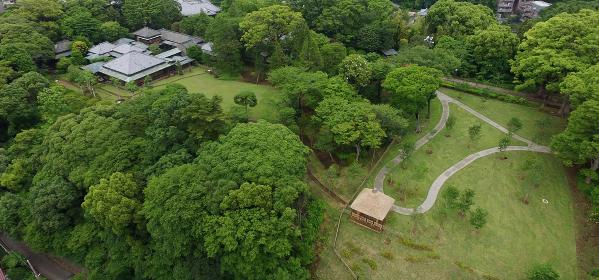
[502,112]
[516,235]
[413,177]
[198,80]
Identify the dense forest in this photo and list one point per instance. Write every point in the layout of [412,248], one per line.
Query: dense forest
[169,185]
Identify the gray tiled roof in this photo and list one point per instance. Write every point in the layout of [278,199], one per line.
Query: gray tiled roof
[169,53]
[147,32]
[94,67]
[62,46]
[389,52]
[177,37]
[123,41]
[194,7]
[133,62]
[102,48]
[127,48]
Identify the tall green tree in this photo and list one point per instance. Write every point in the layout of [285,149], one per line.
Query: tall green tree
[356,70]
[492,49]
[115,203]
[579,143]
[153,13]
[457,19]
[351,123]
[546,55]
[269,25]
[581,86]
[412,88]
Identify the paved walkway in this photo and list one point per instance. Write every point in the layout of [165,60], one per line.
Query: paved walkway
[436,186]
[380,177]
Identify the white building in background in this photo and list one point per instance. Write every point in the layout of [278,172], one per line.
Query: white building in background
[194,7]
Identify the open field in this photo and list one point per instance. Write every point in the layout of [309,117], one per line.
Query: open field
[409,181]
[198,80]
[502,112]
[441,244]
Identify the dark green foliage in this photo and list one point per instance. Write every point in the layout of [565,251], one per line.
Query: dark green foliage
[450,197]
[465,201]
[195,53]
[478,218]
[153,13]
[195,25]
[514,125]
[437,58]
[542,272]
[224,33]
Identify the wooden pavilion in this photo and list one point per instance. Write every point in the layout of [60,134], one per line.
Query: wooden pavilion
[370,208]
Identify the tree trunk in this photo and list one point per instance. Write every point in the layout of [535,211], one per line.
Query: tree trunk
[543,94]
[418,122]
[357,152]
[594,167]
[331,156]
[564,110]
[428,110]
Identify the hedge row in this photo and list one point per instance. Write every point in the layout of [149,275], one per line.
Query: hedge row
[485,93]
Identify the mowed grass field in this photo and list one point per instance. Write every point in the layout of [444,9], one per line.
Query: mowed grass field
[198,80]
[441,244]
[501,112]
[516,236]
[410,181]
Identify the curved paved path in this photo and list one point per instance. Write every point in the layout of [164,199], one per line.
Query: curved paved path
[436,186]
[380,177]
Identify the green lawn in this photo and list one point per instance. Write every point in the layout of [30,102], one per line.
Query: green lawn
[502,112]
[409,181]
[198,80]
[346,184]
[516,236]
[445,246]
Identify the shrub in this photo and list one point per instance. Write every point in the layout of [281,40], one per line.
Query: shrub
[542,272]
[370,262]
[414,259]
[595,272]
[411,244]
[387,255]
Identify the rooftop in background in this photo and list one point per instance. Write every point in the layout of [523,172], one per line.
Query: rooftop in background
[541,4]
[102,48]
[373,203]
[62,49]
[389,52]
[194,7]
[147,32]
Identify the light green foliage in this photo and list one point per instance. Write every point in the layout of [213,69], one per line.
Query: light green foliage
[310,55]
[437,58]
[581,86]
[332,54]
[514,125]
[269,25]
[352,123]
[546,55]
[412,88]
[356,70]
[457,19]
[115,203]
[504,142]
[112,30]
[578,144]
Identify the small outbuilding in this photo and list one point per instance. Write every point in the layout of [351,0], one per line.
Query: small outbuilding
[370,208]
[389,52]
